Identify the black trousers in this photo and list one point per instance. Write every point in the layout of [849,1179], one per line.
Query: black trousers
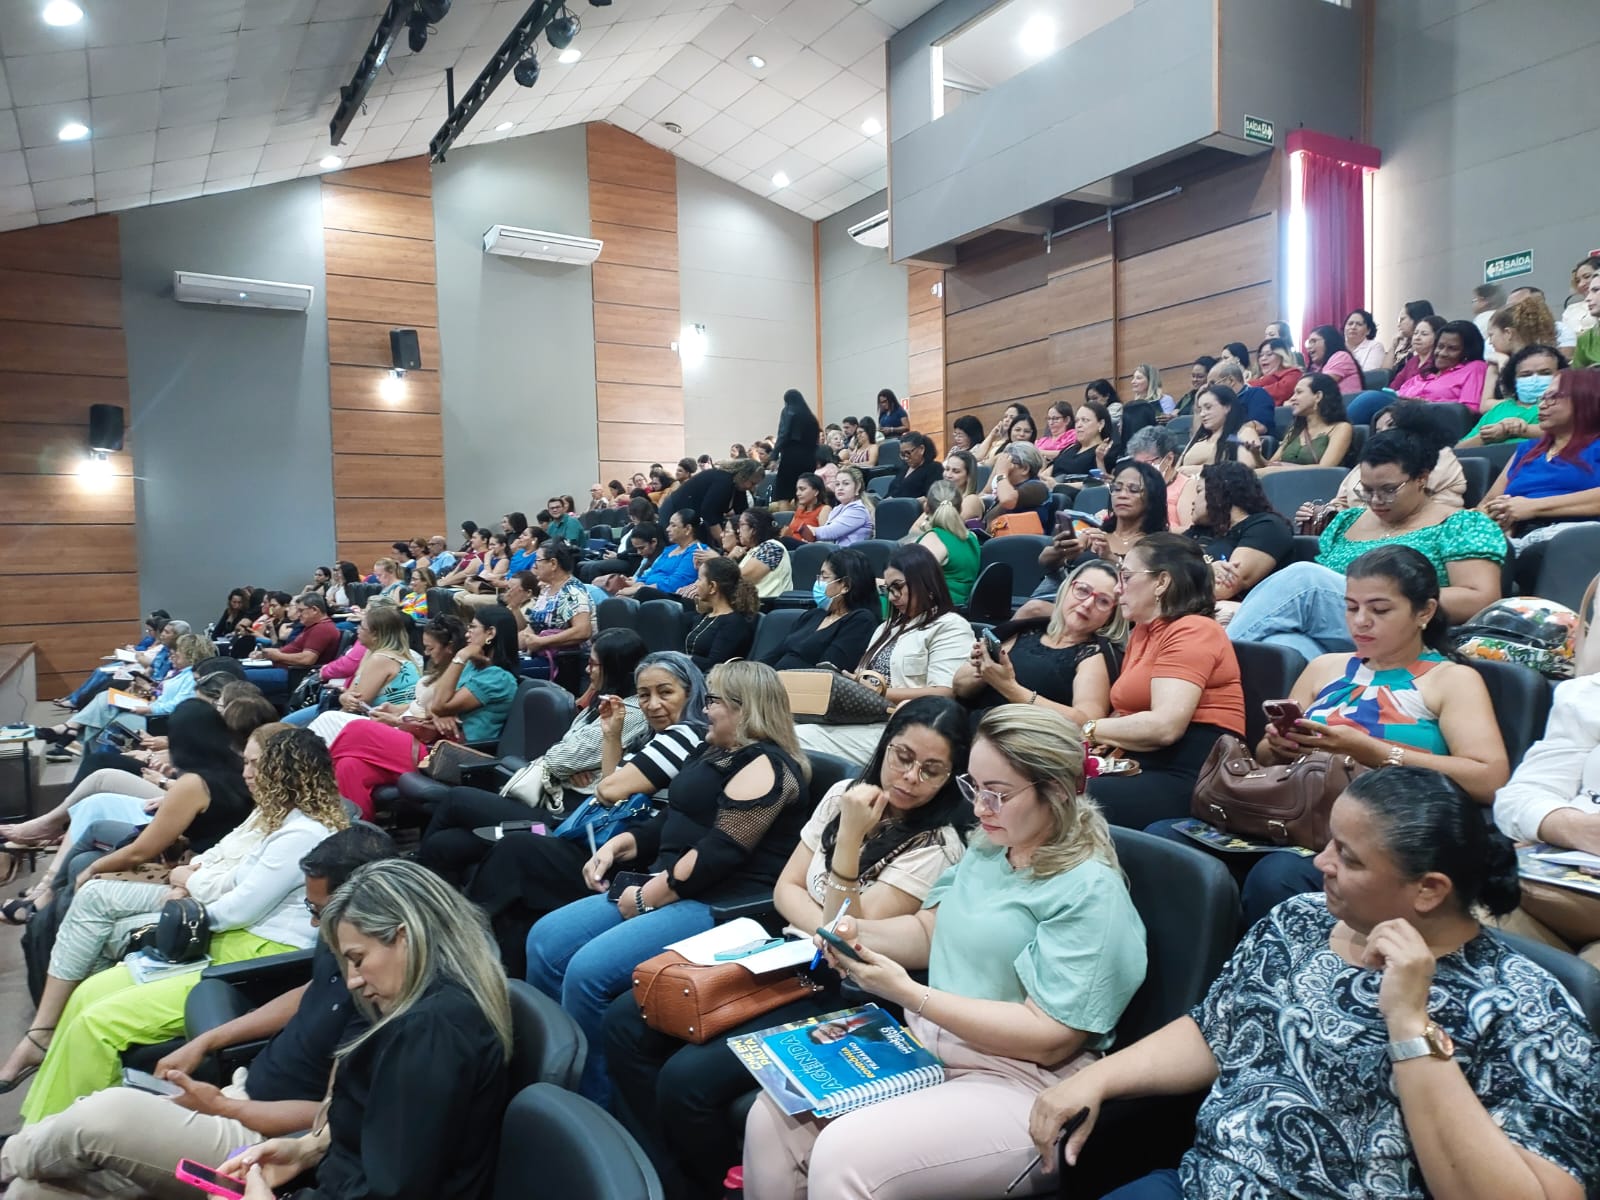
[96,760]
[1165,783]
[525,877]
[449,847]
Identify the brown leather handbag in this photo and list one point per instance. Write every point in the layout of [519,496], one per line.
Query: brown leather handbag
[697,1003]
[818,696]
[1286,805]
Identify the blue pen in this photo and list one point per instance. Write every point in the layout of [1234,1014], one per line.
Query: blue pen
[833,927]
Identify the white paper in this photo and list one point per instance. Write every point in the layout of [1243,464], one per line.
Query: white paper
[126,655]
[703,948]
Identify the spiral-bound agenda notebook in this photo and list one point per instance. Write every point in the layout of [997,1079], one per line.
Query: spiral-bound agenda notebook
[839,1062]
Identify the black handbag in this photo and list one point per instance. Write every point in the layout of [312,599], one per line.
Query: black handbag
[180,934]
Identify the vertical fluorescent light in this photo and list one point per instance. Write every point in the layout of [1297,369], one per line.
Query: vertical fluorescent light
[1297,247]
[936,78]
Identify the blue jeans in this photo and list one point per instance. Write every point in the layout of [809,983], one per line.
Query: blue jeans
[1360,409]
[583,955]
[1301,607]
[1158,1185]
[303,716]
[1273,880]
[273,681]
[91,687]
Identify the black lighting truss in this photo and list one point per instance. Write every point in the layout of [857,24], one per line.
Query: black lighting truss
[353,94]
[516,46]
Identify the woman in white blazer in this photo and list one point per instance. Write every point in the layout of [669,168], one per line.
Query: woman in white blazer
[916,652]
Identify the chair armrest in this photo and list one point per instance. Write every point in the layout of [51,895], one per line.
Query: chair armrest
[488,776]
[755,903]
[263,978]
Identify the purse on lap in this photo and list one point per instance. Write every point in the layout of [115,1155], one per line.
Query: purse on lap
[821,696]
[697,1003]
[1287,805]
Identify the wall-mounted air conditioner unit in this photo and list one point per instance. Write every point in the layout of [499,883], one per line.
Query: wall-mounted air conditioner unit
[539,243]
[191,287]
[874,231]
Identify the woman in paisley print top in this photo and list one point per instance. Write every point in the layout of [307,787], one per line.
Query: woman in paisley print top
[1326,1043]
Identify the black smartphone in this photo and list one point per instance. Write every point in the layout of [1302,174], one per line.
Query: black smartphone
[146,1082]
[991,644]
[625,880]
[839,944]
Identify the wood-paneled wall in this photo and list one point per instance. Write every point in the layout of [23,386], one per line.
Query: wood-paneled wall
[633,209]
[925,344]
[68,555]
[388,455]
[1167,283]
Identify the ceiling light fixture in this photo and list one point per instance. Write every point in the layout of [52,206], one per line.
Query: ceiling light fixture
[330,162]
[672,127]
[526,72]
[561,30]
[569,56]
[62,12]
[73,131]
[1037,36]
[756,61]
[503,126]
[780,180]
[872,127]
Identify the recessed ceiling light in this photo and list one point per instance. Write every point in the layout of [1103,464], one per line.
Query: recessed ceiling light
[756,61]
[672,127]
[780,180]
[1037,36]
[73,131]
[872,127]
[330,161]
[570,55]
[503,126]
[62,12]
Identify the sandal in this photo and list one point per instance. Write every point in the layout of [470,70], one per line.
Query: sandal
[56,735]
[19,911]
[11,1085]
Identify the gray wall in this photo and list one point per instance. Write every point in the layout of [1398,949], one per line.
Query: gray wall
[864,317]
[1290,36]
[517,336]
[233,447]
[745,272]
[1490,141]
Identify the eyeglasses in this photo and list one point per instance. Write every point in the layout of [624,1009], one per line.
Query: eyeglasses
[986,799]
[904,760]
[1082,593]
[725,701]
[895,588]
[1124,575]
[1383,495]
[314,909]
[1132,489]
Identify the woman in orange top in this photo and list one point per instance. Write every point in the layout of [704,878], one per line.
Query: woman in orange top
[810,510]
[1179,690]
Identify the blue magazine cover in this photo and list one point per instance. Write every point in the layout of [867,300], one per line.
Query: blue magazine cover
[847,1060]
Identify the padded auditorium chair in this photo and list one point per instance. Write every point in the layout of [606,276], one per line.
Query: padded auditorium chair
[804,564]
[877,551]
[1021,553]
[1266,672]
[1521,700]
[774,630]
[1287,490]
[664,624]
[1569,562]
[894,516]
[555,1143]
[617,612]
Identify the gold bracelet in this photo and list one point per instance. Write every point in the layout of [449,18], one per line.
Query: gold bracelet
[1396,757]
[924,1004]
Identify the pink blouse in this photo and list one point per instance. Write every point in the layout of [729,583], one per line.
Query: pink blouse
[1461,384]
[1345,372]
[1055,445]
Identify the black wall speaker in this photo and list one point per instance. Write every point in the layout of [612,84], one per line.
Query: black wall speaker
[105,427]
[404,352]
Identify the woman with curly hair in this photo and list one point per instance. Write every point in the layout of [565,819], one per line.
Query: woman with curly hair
[253,894]
[1244,539]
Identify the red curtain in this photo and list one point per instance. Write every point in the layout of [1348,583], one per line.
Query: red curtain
[1335,253]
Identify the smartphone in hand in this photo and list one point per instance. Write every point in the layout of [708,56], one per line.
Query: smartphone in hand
[839,944]
[208,1179]
[1283,714]
[625,880]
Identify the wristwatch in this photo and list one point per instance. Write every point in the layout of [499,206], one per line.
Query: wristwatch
[1088,732]
[1434,1042]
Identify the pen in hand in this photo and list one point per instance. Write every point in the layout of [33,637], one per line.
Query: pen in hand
[833,927]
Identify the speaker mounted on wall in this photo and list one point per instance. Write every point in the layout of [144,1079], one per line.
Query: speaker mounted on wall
[405,352]
[105,428]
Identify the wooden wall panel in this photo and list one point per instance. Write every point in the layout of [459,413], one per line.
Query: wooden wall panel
[404,176]
[1177,334]
[997,325]
[925,370]
[63,499]
[33,346]
[389,433]
[1223,261]
[58,399]
[1081,354]
[361,387]
[378,476]
[1081,297]
[1013,374]
[69,300]
[83,247]
[95,598]
[366,344]
[1000,264]
[378,256]
[393,302]
[375,521]
[633,209]
[50,450]
[365,211]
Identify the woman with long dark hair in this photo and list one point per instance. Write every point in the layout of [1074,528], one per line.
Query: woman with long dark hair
[1222,430]
[1244,539]
[1325,351]
[1320,434]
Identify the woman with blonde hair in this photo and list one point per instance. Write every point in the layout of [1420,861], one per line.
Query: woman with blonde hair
[386,674]
[1033,948]
[961,469]
[851,519]
[946,536]
[419,960]
[733,815]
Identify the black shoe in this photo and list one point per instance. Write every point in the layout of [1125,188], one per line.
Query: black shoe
[56,737]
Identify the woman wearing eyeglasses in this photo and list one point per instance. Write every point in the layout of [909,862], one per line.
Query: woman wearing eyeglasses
[1303,605]
[880,841]
[1033,948]
[1243,538]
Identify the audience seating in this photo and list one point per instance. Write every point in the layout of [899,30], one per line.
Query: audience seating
[663,624]
[1480,475]
[804,564]
[1358,443]
[1282,418]
[782,518]
[1266,672]
[888,460]
[877,551]
[1091,499]
[1021,553]
[774,629]
[1376,380]
[1497,455]
[1306,546]
[1569,562]
[359,593]
[894,516]
[1181,425]
[1465,417]
[990,599]
[556,1143]
[592,517]
[1286,491]
[547,1046]
[1521,702]
[984,470]
[442,603]
[617,612]
[880,484]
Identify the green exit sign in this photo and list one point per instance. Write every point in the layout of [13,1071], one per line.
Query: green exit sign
[1508,266]
[1258,129]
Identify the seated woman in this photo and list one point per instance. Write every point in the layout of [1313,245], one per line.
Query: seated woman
[728,607]
[386,674]
[1179,688]
[1065,662]
[961,469]
[1019,428]
[561,615]
[864,449]
[1278,372]
[1319,436]
[1526,322]
[673,569]
[442,639]
[763,559]
[945,535]
[524,878]
[1199,375]
[1402,699]
[468,701]
[1092,450]
[880,841]
[470,563]
[1488,1088]
[1222,431]
[1404,350]
[391,586]
[1033,948]
[850,519]
[1448,482]
[1159,448]
[1552,483]
[811,508]
[997,435]
[1458,375]
[1059,433]
[1419,360]
[1302,606]
[144,651]
[1243,538]
[837,629]
[1325,351]
[733,816]
[1146,402]
[344,574]
[101,714]
[254,897]
[1018,490]
[1361,341]
[236,610]
[441,1038]
[1524,381]
[484,587]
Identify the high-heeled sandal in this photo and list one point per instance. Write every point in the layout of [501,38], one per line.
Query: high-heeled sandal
[11,1085]
[19,911]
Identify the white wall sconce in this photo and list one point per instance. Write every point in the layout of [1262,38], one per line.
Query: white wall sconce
[691,344]
[392,387]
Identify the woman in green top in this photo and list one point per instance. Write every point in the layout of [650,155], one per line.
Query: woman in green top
[1302,606]
[1033,948]
[1321,433]
[949,540]
[1524,380]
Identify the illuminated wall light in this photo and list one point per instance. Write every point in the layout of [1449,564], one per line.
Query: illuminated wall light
[392,387]
[96,468]
[1297,248]
[691,344]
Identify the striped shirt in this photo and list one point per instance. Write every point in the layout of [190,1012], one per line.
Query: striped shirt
[663,756]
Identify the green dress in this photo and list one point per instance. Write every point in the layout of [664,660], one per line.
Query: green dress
[1505,411]
[961,563]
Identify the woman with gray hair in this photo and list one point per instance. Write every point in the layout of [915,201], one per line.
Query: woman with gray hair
[416,1101]
[1017,486]
[1159,447]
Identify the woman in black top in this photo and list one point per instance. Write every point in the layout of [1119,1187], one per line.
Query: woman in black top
[1243,538]
[716,492]
[838,629]
[416,1102]
[727,605]
[796,444]
[1095,448]
[733,816]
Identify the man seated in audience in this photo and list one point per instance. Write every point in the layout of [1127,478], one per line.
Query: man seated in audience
[922,466]
[442,560]
[122,1140]
[1257,401]
[316,643]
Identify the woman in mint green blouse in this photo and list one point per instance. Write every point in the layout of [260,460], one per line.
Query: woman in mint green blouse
[1033,949]
[948,539]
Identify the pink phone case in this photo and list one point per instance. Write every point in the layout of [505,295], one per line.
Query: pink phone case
[183,1172]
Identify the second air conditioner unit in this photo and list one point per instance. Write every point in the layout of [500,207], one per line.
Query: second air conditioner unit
[541,244]
[874,231]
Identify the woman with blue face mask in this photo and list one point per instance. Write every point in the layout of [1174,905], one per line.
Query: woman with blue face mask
[837,629]
[1523,381]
